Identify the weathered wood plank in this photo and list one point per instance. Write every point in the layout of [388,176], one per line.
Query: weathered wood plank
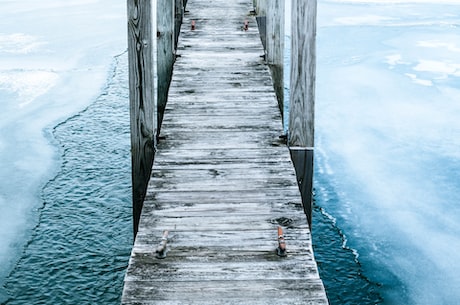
[154,271]
[237,300]
[222,182]
[216,290]
[225,246]
[208,155]
[236,223]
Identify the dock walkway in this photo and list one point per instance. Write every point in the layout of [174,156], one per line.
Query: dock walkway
[222,180]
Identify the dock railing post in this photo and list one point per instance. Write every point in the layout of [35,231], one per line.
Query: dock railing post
[275,47]
[142,97]
[302,96]
[166,24]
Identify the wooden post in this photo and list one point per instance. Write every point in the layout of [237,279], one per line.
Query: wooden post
[261,17]
[275,47]
[302,96]
[261,7]
[165,52]
[179,13]
[141,39]
[275,32]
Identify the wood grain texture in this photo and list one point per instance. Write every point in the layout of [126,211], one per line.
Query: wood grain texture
[275,47]
[303,74]
[222,181]
[141,39]
[261,7]
[165,52]
[179,10]
[275,32]
[302,96]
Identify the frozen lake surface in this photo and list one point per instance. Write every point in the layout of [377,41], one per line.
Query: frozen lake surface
[388,138]
[55,59]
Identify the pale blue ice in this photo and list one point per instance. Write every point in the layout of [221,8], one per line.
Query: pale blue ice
[55,57]
[388,139]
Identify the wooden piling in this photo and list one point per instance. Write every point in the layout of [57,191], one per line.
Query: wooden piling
[142,98]
[275,47]
[261,7]
[179,10]
[166,24]
[302,96]
[270,20]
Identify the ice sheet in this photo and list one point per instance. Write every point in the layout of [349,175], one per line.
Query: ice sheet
[388,133]
[55,57]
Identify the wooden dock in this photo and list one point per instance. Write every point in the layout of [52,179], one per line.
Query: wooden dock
[222,180]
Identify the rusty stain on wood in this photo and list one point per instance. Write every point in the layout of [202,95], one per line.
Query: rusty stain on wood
[222,181]
[281,250]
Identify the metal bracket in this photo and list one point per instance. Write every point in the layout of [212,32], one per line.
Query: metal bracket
[162,249]
[281,250]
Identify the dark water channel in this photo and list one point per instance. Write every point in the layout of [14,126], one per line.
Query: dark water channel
[80,247]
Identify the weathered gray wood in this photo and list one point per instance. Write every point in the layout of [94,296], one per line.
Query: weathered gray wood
[259,242]
[275,46]
[165,52]
[302,96]
[222,181]
[261,7]
[275,32]
[220,292]
[238,300]
[179,6]
[141,38]
[303,74]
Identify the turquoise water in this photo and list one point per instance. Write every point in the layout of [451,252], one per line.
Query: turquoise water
[80,246]
[343,276]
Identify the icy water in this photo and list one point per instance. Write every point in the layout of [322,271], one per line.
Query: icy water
[338,264]
[387,142]
[80,247]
